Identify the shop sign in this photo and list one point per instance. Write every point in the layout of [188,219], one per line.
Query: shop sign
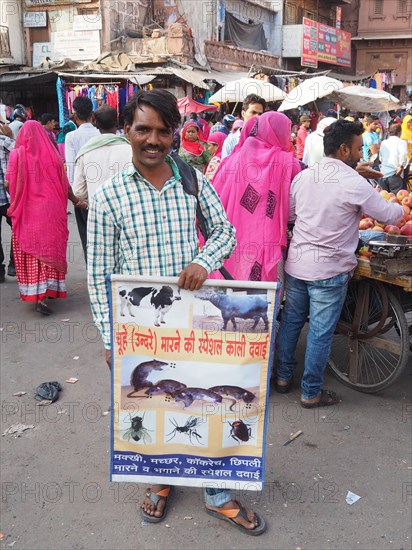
[92,22]
[309,44]
[326,44]
[77,45]
[35,19]
[37,3]
[42,50]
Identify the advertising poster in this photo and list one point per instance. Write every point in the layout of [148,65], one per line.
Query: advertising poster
[326,44]
[343,55]
[190,381]
[309,44]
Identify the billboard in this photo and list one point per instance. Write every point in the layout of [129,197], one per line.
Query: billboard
[332,45]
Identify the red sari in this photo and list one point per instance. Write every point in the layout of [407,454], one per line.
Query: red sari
[38,188]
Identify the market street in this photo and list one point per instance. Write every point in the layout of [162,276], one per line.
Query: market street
[56,492]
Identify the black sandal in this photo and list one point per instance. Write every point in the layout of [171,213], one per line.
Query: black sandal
[286,388]
[327,399]
[43,309]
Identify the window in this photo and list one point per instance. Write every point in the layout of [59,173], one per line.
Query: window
[291,14]
[402,7]
[378,7]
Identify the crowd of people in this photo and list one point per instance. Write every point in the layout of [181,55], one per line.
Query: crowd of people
[134,216]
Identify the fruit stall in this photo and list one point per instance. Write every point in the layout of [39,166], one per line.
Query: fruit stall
[372,342]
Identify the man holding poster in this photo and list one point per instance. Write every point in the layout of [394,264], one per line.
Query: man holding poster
[142,222]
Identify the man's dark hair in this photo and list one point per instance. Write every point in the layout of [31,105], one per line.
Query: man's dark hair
[83,107]
[253,98]
[193,116]
[161,101]
[395,129]
[370,119]
[46,117]
[106,117]
[341,131]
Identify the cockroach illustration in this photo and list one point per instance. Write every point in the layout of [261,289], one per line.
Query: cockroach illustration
[240,431]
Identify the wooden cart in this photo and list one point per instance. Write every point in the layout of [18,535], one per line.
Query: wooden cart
[372,343]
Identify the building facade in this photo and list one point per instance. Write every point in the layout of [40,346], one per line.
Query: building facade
[12,43]
[382,42]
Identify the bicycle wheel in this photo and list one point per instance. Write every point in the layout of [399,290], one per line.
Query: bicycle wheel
[371,345]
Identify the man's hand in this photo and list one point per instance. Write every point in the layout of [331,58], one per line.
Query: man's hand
[192,277]
[83,205]
[364,169]
[5,130]
[109,358]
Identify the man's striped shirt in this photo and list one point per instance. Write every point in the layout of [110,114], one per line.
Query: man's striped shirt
[135,229]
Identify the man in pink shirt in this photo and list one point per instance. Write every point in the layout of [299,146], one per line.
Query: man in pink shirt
[303,133]
[326,203]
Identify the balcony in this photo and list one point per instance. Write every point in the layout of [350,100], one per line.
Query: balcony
[227,57]
[5,53]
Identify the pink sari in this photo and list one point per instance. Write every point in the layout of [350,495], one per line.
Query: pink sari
[38,197]
[253,184]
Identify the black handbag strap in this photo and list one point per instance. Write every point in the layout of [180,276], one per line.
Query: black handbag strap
[191,187]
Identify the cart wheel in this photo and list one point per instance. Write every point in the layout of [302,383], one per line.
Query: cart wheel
[370,348]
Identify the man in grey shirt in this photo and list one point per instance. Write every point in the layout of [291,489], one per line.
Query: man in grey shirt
[326,203]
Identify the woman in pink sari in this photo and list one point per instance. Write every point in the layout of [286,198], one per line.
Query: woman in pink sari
[215,146]
[253,184]
[38,188]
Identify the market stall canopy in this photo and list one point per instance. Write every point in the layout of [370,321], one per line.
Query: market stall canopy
[188,105]
[310,90]
[237,90]
[365,100]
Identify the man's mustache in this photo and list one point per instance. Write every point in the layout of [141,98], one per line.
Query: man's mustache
[156,149]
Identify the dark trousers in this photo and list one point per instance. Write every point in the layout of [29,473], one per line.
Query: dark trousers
[81,220]
[393,184]
[3,213]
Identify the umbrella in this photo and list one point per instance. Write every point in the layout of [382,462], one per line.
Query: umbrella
[366,100]
[310,90]
[189,105]
[238,89]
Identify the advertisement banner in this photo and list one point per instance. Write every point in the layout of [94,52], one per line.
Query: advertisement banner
[344,53]
[334,45]
[309,43]
[326,44]
[190,381]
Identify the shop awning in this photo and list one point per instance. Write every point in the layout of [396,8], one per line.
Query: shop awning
[133,77]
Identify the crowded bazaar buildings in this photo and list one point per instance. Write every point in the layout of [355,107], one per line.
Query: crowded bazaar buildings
[193,46]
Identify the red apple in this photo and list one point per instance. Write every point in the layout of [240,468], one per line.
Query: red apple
[406,209]
[392,230]
[402,194]
[407,229]
[407,201]
[365,224]
[393,199]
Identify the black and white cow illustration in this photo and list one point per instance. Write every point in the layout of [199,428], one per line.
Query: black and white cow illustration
[133,298]
[162,300]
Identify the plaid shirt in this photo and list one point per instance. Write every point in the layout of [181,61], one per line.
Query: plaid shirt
[135,229]
[6,145]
